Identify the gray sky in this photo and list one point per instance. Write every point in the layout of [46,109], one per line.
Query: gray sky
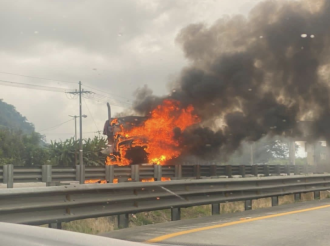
[114,46]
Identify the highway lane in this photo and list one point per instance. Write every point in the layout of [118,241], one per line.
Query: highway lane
[303,223]
[34,184]
[24,185]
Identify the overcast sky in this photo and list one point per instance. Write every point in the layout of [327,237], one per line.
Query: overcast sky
[112,46]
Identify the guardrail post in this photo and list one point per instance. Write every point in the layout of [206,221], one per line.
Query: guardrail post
[8,175]
[215,208]
[82,177]
[175,214]
[317,195]
[248,204]
[123,221]
[110,173]
[287,170]
[255,170]
[157,172]
[274,201]
[78,173]
[242,170]
[266,170]
[297,197]
[46,174]
[197,171]
[313,171]
[135,173]
[278,170]
[178,171]
[4,177]
[228,171]
[306,169]
[55,225]
[213,170]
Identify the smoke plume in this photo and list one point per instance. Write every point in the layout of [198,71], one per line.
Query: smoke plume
[257,75]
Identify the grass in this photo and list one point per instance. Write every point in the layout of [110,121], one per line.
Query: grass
[231,207]
[324,194]
[287,199]
[91,226]
[146,218]
[261,203]
[106,224]
[307,196]
[195,212]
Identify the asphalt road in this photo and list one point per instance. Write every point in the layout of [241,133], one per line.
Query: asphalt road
[33,184]
[24,185]
[299,224]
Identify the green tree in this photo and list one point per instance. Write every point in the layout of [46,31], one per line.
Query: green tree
[66,152]
[92,148]
[22,149]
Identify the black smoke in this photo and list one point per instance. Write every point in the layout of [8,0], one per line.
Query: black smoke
[256,76]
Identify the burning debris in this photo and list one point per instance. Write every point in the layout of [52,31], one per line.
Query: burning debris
[247,78]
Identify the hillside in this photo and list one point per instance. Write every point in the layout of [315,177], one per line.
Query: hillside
[19,143]
[13,120]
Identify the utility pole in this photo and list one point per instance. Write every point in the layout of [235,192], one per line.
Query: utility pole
[75,124]
[81,162]
[75,135]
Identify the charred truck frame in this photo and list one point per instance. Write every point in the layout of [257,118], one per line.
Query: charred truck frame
[123,149]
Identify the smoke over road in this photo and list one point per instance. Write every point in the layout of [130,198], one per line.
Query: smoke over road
[252,76]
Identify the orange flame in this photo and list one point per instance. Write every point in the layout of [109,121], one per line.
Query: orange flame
[148,180]
[115,181]
[156,133]
[94,181]
[152,179]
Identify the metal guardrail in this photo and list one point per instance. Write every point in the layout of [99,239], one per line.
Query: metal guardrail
[53,205]
[50,174]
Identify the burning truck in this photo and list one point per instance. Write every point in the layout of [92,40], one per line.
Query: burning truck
[147,139]
[124,149]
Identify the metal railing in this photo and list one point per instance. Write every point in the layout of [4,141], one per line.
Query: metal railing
[57,204]
[52,174]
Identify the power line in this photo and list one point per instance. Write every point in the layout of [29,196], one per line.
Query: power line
[103,97]
[54,127]
[31,86]
[90,113]
[57,89]
[27,76]
[68,133]
[62,81]
[104,101]
[111,94]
